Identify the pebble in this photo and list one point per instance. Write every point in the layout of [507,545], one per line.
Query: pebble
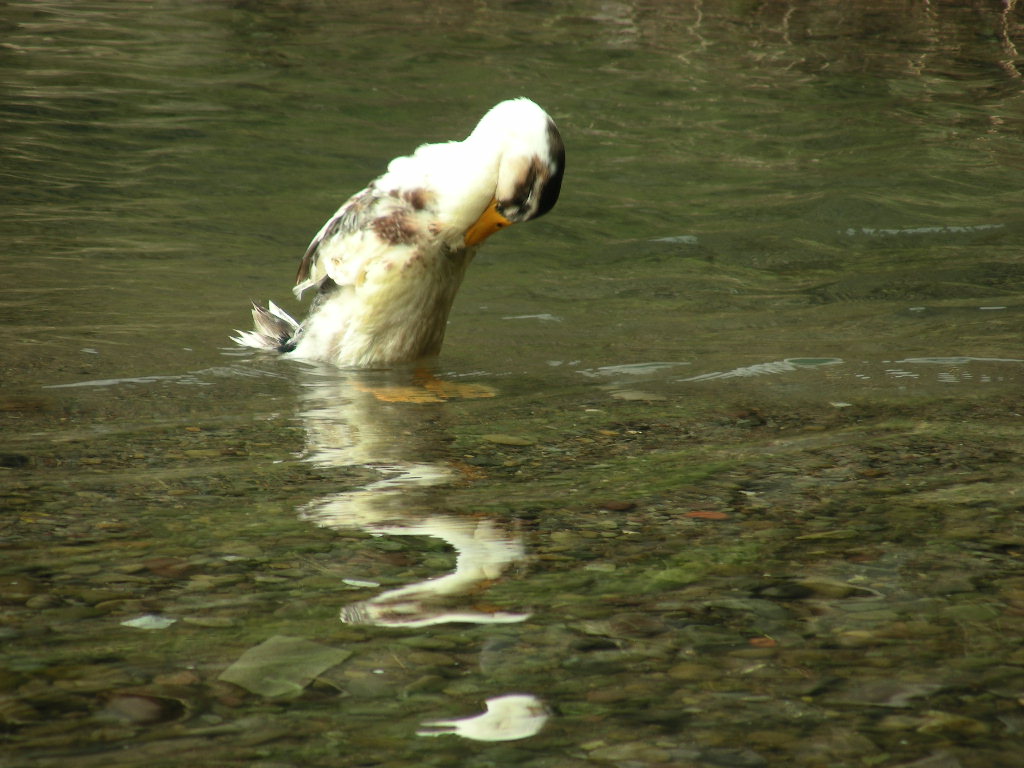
[143,709]
[39,602]
[18,589]
[899,722]
[629,752]
[426,684]
[691,670]
[16,711]
[72,613]
[93,596]
[882,693]
[618,506]
[424,657]
[834,589]
[84,569]
[950,724]
[184,677]
[168,567]
[608,695]
[858,638]
[89,678]
[972,612]
[517,440]
[636,394]
[212,622]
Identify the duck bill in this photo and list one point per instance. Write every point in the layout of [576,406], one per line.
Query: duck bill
[490,221]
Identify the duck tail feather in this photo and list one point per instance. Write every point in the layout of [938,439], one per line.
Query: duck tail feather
[275,329]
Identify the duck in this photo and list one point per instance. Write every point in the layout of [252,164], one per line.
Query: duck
[387,265]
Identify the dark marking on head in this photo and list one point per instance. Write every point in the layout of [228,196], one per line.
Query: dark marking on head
[537,189]
[396,228]
[556,161]
[518,208]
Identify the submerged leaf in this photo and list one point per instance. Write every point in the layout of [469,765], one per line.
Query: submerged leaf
[282,665]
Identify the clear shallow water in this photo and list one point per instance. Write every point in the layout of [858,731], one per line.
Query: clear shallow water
[723,462]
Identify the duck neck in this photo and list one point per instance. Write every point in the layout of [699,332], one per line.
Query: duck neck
[466,193]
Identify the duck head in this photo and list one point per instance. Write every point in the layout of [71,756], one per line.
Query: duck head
[530,165]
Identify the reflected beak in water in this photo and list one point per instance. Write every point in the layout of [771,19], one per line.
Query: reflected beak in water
[490,221]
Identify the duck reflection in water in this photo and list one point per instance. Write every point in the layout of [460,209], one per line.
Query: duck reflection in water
[516,716]
[355,419]
[360,419]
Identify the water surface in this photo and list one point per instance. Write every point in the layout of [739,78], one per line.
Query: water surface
[720,465]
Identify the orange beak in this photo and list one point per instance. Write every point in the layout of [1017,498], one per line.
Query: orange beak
[490,221]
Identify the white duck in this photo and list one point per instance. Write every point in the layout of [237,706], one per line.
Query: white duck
[387,265]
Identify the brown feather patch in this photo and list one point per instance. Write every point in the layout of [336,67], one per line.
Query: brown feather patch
[396,228]
[418,198]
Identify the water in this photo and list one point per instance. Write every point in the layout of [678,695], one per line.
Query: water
[720,465]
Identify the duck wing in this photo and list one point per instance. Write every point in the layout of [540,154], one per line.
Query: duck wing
[349,223]
[373,225]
